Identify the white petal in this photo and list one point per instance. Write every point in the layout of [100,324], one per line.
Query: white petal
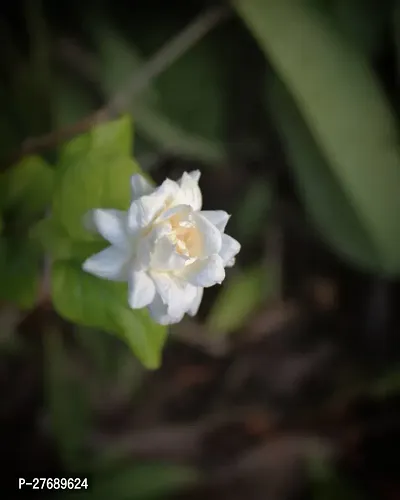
[140,186]
[165,257]
[141,290]
[230,247]
[109,264]
[148,207]
[141,213]
[158,312]
[111,224]
[189,193]
[193,310]
[205,273]
[217,217]
[195,175]
[182,211]
[145,245]
[176,293]
[210,236]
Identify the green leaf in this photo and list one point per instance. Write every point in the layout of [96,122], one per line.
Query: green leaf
[94,172]
[345,110]
[20,261]
[142,481]
[67,401]
[26,188]
[55,240]
[112,139]
[81,297]
[90,301]
[325,202]
[239,298]
[141,333]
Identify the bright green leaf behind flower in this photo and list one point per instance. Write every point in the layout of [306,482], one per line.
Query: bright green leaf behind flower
[55,240]
[90,301]
[94,171]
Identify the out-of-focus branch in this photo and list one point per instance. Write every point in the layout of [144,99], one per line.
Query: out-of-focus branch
[164,58]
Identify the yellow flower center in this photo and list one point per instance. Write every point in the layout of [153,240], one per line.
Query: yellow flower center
[185,236]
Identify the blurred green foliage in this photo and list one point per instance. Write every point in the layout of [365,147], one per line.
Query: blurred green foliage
[344,108]
[68,403]
[25,192]
[241,296]
[70,407]
[142,481]
[190,126]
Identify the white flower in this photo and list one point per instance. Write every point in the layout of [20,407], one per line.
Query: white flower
[164,246]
